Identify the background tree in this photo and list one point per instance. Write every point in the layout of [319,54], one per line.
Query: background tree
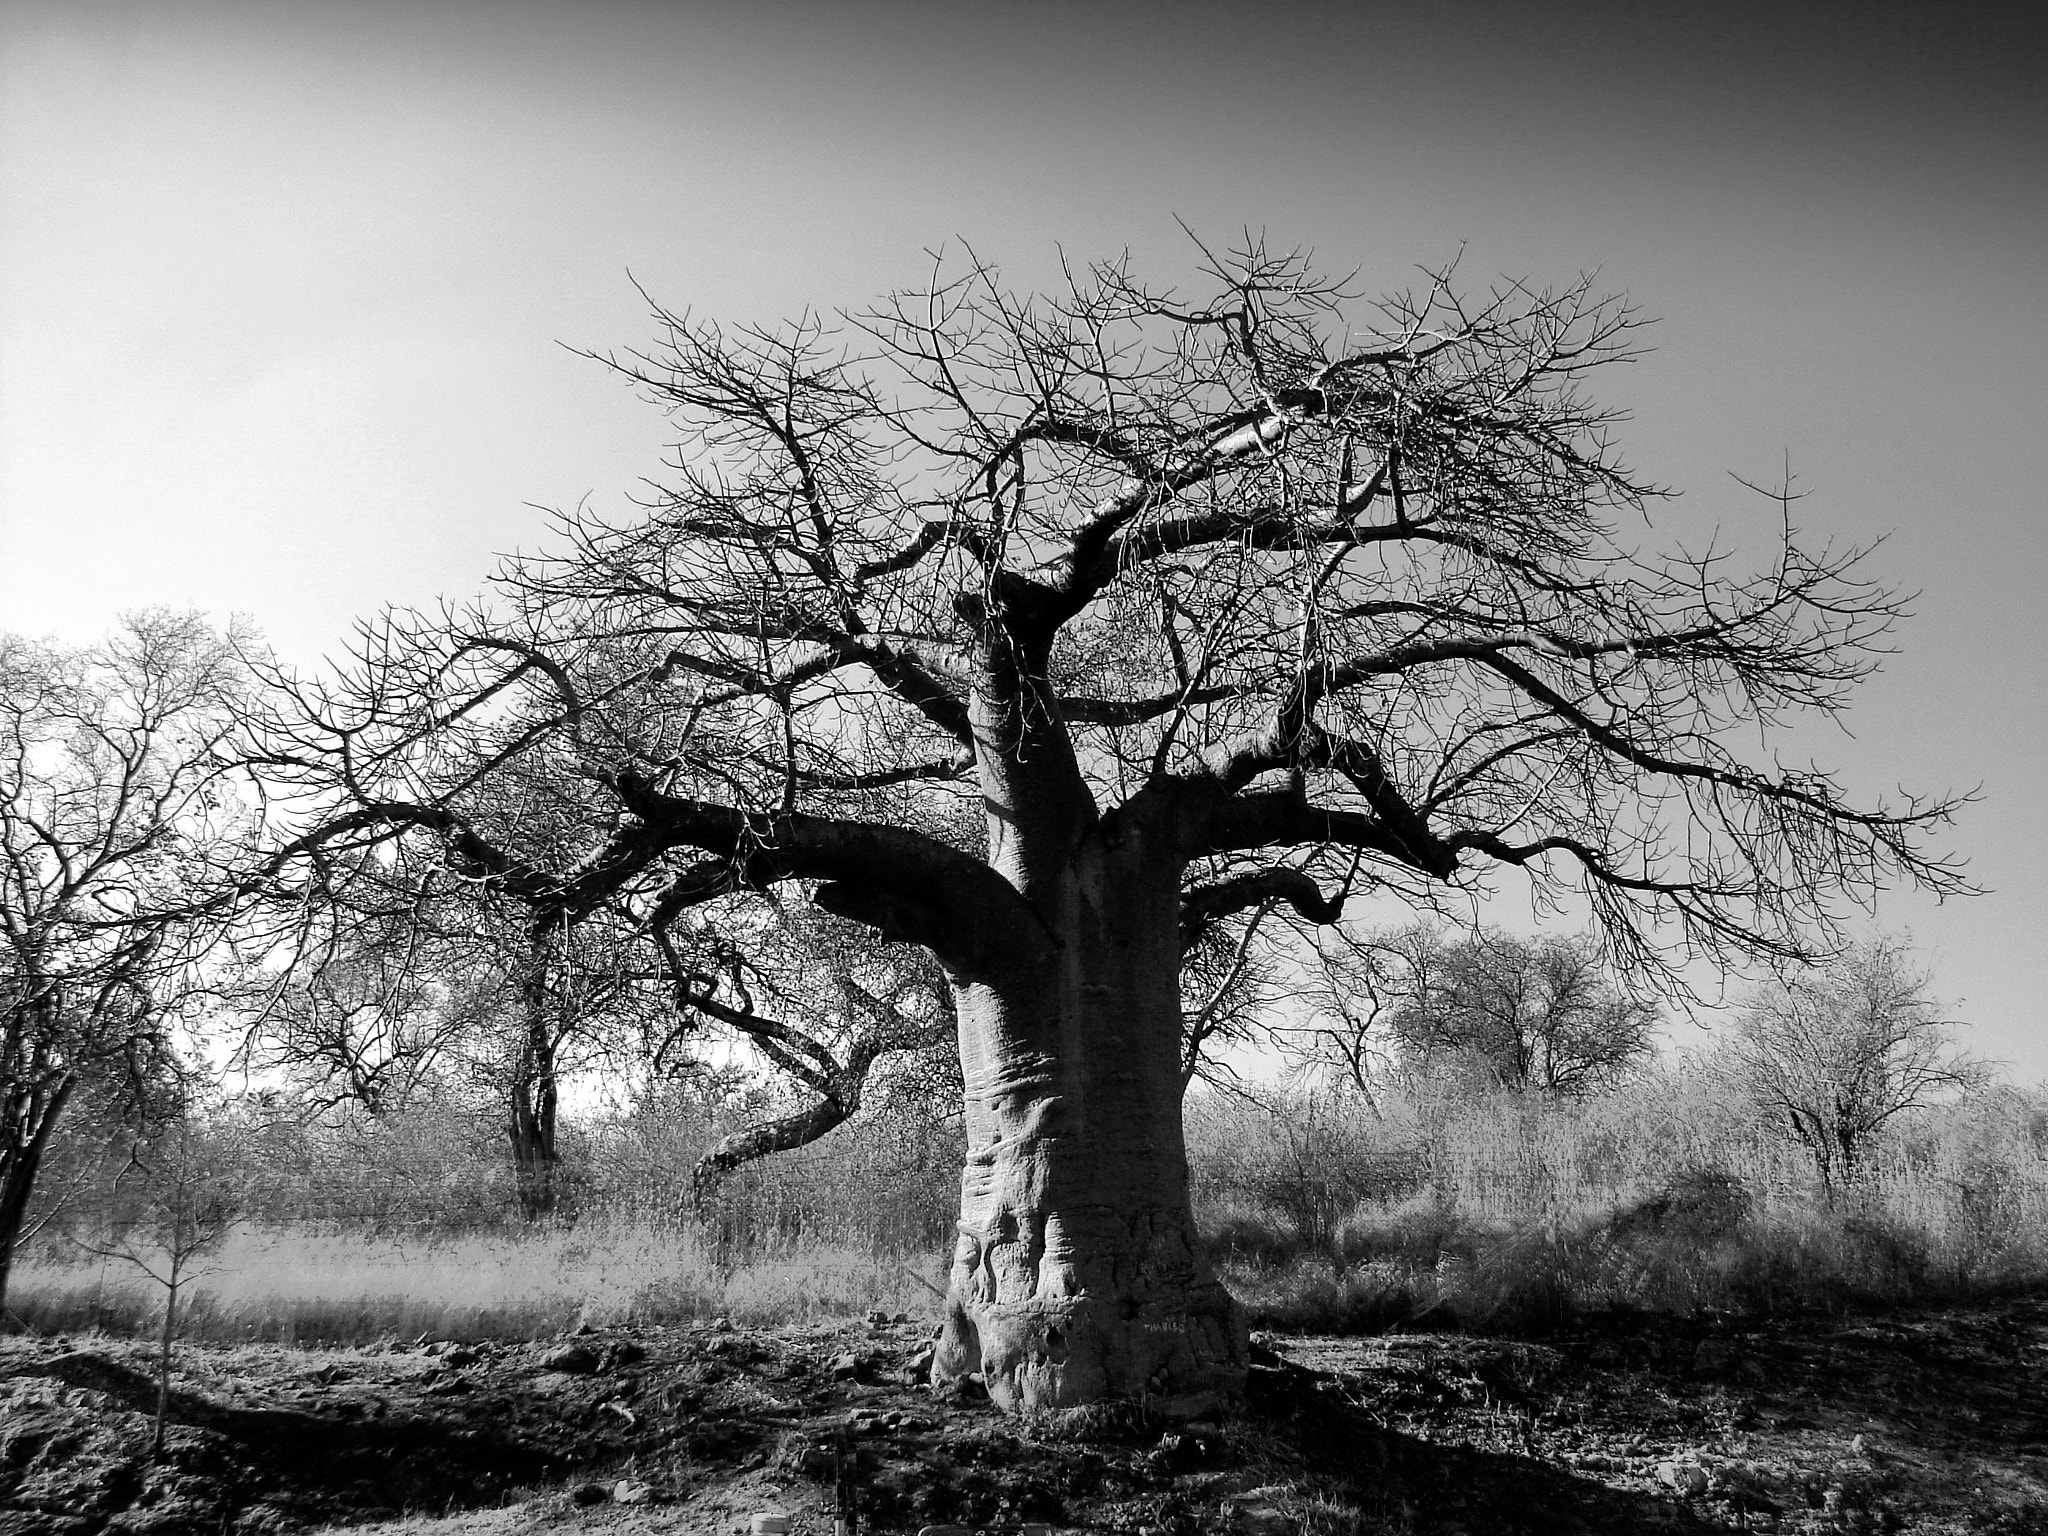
[1832,1055]
[1525,1013]
[399,980]
[402,961]
[1042,632]
[120,825]
[1543,1013]
[1350,983]
[404,974]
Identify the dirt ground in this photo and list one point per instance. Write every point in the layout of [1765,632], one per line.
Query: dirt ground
[1921,1421]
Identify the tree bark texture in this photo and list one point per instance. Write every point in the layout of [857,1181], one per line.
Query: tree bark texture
[1077,1273]
[13,1200]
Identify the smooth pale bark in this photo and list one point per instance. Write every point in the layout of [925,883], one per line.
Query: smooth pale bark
[1077,1274]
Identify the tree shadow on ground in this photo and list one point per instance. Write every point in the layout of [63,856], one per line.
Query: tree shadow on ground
[1933,1419]
[360,1455]
[1402,1483]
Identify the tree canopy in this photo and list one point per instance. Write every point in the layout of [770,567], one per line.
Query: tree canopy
[1831,1055]
[1241,546]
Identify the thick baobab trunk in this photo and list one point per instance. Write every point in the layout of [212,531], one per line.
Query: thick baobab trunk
[1077,1274]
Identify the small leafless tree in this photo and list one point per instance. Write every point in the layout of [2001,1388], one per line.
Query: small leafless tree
[1832,1055]
[173,1203]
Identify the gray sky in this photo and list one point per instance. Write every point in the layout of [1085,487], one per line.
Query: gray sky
[282,286]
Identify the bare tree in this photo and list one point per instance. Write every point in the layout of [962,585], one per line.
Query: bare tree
[399,966]
[525,999]
[1524,1013]
[540,988]
[119,825]
[1349,984]
[174,1202]
[1832,1055]
[390,970]
[1044,632]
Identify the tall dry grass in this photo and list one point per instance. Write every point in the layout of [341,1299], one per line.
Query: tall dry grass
[313,1287]
[1663,1195]
[364,1232]
[1325,1213]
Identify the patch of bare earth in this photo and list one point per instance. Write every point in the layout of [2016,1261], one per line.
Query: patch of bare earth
[1923,1421]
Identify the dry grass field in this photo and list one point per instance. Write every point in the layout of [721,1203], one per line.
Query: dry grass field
[328,1289]
[1503,1212]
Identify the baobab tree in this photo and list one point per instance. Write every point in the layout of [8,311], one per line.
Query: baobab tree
[1046,633]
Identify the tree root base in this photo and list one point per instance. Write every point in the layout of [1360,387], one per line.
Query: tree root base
[1177,1355]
